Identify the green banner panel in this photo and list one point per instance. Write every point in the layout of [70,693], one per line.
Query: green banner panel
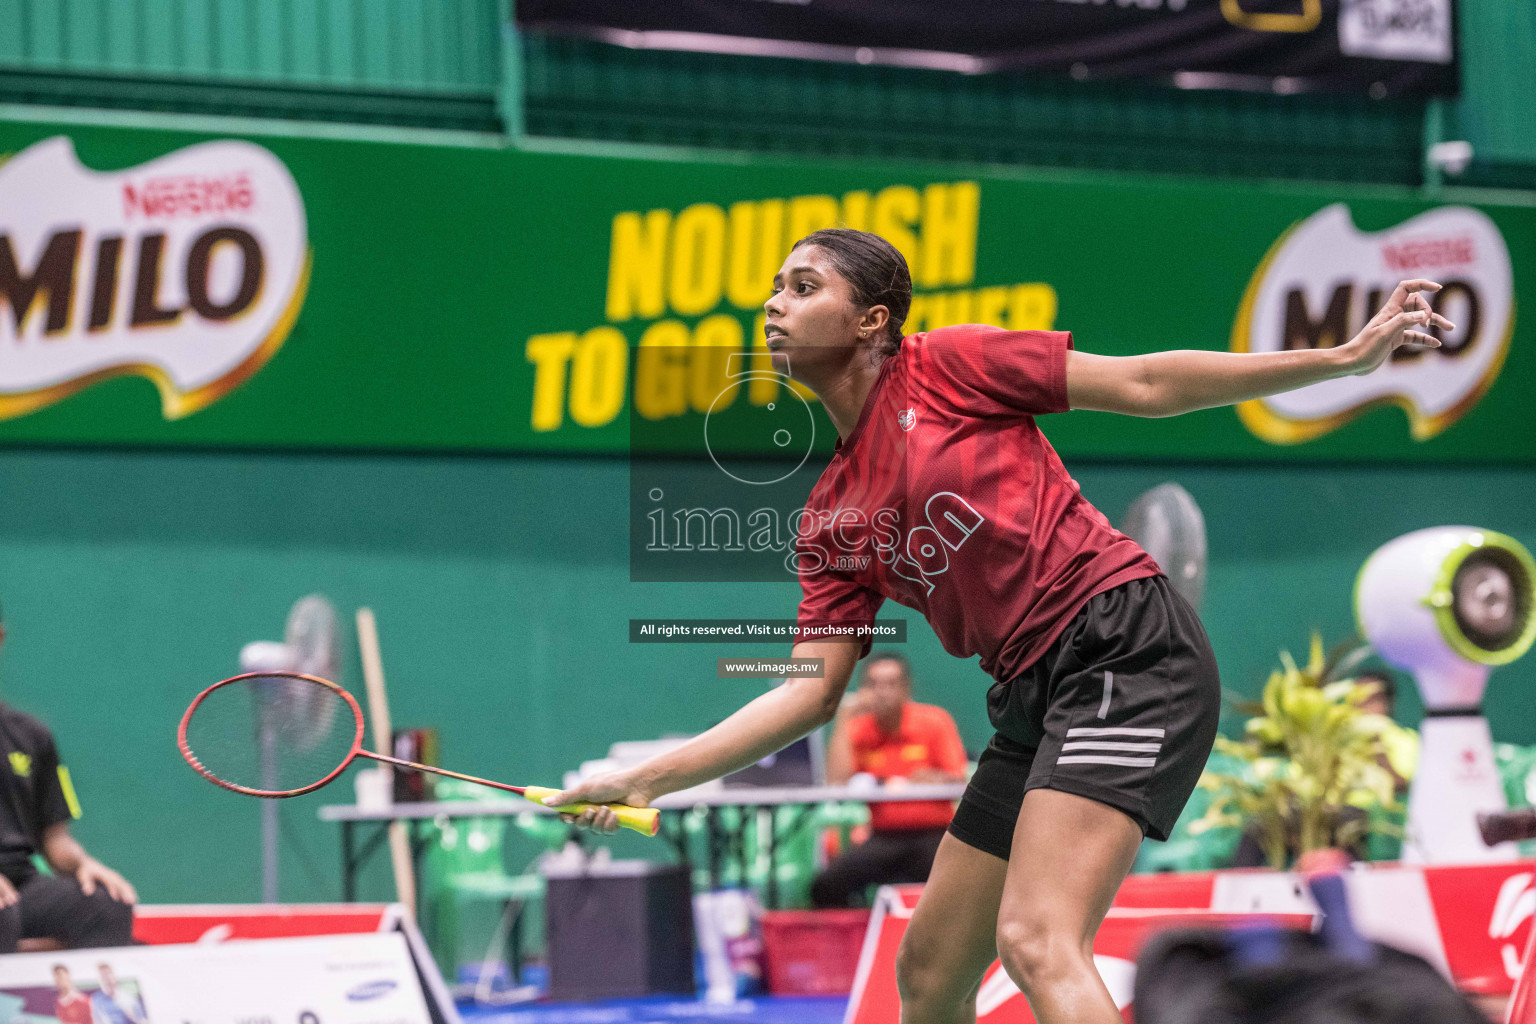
[161,288]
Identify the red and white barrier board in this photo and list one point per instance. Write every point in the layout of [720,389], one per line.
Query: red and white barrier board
[1522,1002]
[1472,922]
[211,924]
[334,979]
[874,999]
[220,922]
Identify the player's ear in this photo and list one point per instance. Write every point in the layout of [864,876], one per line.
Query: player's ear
[875,318]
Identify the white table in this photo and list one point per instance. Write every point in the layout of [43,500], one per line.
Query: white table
[723,843]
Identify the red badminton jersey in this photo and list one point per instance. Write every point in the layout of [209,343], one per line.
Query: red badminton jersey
[947,498]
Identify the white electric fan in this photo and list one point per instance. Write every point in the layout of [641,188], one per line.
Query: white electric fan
[1448,604]
[1168,525]
[300,715]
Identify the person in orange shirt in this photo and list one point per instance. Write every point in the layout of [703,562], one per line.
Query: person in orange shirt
[881,731]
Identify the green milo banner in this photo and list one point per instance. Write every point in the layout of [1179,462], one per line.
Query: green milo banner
[162,288]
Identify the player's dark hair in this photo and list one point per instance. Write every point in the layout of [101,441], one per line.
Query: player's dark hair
[875,270]
[900,659]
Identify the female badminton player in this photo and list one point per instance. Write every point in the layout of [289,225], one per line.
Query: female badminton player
[1106,694]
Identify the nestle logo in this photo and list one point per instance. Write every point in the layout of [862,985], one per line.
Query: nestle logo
[189,195]
[371,990]
[1418,253]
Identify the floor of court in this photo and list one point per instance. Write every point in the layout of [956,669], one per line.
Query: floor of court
[661,1009]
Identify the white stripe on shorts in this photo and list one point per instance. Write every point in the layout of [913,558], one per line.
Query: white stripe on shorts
[1115,731]
[1127,762]
[1138,748]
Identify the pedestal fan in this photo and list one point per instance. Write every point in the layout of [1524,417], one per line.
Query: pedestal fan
[291,717]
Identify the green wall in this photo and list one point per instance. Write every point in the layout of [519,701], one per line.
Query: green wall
[130,580]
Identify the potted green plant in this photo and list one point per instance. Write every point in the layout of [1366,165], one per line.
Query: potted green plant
[1311,766]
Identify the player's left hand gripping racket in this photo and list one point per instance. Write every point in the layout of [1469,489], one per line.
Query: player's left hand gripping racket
[280,734]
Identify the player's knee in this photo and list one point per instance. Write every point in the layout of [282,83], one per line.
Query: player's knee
[1034,952]
[915,973]
[921,977]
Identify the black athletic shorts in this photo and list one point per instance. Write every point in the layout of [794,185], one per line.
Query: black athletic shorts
[1121,709]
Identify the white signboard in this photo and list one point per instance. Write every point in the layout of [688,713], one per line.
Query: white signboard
[188,270]
[1396,29]
[333,979]
[1325,278]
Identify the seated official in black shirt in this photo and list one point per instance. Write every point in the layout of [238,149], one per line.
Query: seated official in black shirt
[84,903]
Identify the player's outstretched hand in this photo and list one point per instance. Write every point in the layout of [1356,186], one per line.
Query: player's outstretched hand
[621,787]
[1403,322]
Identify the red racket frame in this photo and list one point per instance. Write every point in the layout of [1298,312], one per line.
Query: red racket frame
[356,751]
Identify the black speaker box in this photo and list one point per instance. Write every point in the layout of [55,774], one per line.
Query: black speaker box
[619,929]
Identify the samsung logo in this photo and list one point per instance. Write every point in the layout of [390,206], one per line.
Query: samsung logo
[371,990]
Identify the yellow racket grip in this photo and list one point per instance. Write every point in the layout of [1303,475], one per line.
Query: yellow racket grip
[645,820]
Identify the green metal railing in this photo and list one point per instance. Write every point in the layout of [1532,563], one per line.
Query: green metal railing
[427,63]
[460,64]
[575,88]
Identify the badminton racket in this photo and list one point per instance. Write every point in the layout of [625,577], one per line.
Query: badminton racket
[231,737]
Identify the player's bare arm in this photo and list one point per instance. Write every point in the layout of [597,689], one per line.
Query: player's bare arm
[769,723]
[1170,383]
